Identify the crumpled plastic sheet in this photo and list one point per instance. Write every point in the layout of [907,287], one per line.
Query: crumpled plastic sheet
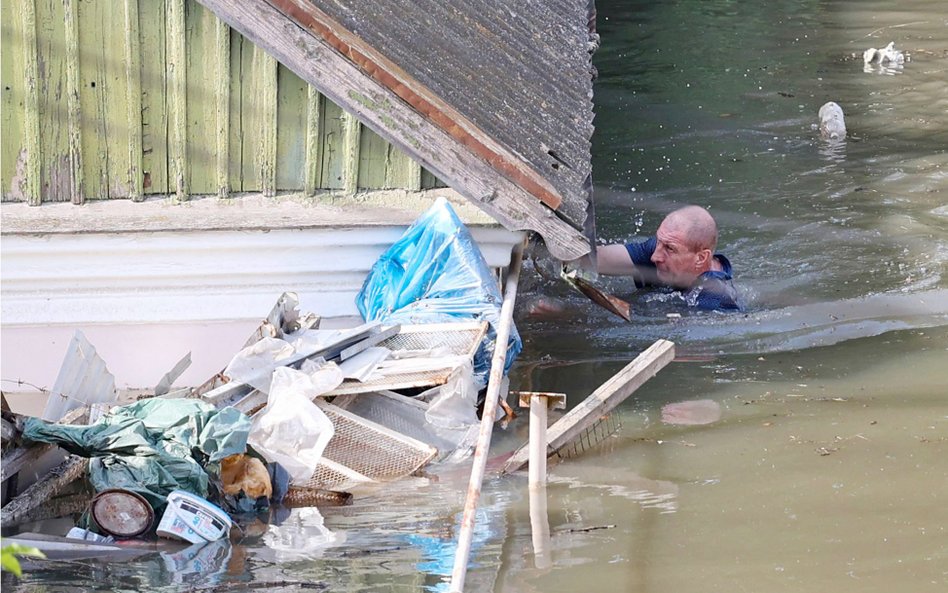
[291,430]
[152,446]
[435,273]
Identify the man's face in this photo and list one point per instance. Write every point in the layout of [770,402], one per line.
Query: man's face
[676,262]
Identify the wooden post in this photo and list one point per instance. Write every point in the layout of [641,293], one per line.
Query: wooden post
[539,402]
[463,552]
[609,395]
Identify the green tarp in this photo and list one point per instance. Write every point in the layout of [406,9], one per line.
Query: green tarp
[153,446]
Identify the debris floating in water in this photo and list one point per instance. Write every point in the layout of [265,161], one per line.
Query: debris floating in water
[885,56]
[695,412]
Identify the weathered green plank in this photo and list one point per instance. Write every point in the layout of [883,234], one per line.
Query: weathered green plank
[352,133]
[314,140]
[31,129]
[176,64]
[118,132]
[73,101]
[53,110]
[373,160]
[202,107]
[244,132]
[152,29]
[413,175]
[332,169]
[265,116]
[400,169]
[93,99]
[133,77]
[292,110]
[222,115]
[13,94]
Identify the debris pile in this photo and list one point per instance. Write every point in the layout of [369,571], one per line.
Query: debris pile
[299,417]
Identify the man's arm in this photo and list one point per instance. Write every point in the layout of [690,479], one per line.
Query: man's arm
[614,260]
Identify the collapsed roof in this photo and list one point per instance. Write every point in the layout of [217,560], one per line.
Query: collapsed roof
[494,98]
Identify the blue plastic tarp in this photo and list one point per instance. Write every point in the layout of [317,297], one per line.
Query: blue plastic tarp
[435,273]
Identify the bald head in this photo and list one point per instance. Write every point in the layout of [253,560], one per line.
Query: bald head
[696,225]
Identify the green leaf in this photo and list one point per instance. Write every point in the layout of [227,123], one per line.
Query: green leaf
[8,554]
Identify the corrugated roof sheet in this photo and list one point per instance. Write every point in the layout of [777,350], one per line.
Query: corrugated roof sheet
[521,71]
[496,100]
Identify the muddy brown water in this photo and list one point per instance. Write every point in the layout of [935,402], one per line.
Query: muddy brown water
[828,470]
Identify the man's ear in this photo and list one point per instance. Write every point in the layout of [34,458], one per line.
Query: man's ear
[703,258]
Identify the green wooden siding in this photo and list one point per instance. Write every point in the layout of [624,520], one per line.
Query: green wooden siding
[125,99]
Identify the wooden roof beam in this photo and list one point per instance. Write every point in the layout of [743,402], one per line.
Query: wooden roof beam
[405,113]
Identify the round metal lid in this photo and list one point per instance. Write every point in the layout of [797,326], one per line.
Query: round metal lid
[122,513]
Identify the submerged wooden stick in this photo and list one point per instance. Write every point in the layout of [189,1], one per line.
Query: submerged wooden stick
[463,552]
[43,489]
[609,395]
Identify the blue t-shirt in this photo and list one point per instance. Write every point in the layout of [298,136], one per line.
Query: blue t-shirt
[714,290]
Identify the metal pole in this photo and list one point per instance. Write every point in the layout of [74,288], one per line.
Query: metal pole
[540,527]
[487,422]
[537,467]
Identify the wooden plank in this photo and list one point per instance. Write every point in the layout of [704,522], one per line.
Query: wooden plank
[291,130]
[62,506]
[103,99]
[373,160]
[73,101]
[43,489]
[222,115]
[54,114]
[11,108]
[609,395]
[343,82]
[31,107]
[333,147]
[241,173]
[177,98]
[372,63]
[351,146]
[314,144]
[413,174]
[133,76]
[202,103]
[154,78]
[21,457]
[265,116]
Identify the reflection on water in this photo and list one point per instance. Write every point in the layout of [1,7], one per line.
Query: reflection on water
[827,468]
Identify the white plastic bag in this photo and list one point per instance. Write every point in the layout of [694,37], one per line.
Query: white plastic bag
[254,364]
[291,430]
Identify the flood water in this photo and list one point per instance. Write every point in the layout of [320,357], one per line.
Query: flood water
[828,470]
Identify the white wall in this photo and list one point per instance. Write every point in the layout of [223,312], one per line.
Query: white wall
[144,299]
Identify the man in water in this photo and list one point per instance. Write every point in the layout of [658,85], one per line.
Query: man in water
[681,256]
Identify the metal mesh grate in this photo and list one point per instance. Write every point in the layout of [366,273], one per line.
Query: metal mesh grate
[361,450]
[591,437]
[459,339]
[332,476]
[404,415]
